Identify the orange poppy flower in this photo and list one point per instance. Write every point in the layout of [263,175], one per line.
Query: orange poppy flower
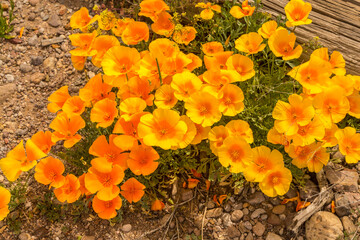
[174,65]
[245,10]
[235,152]
[282,43]
[329,139]
[275,137]
[107,20]
[104,183]
[250,43]
[119,60]
[49,171]
[336,60]
[5,197]
[83,189]
[268,29]
[356,80]
[231,99]
[137,87]
[108,154]
[84,43]
[73,106]
[131,106]
[201,133]
[308,133]
[135,32]
[152,8]
[65,129]
[354,101]
[78,62]
[157,205]
[319,158]
[276,182]
[184,35]
[289,116]
[241,64]
[57,99]
[163,128]
[349,144]
[120,25]
[217,79]
[217,61]
[312,75]
[129,128]
[196,62]
[216,136]
[163,25]
[43,141]
[345,82]
[132,190]
[263,161]
[208,13]
[81,19]
[142,160]
[163,48]
[185,84]
[331,106]
[203,108]
[69,191]
[211,48]
[164,97]
[240,128]
[95,90]
[17,161]
[104,112]
[190,133]
[297,13]
[101,45]
[191,183]
[106,209]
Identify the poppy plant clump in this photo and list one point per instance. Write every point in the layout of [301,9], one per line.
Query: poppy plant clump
[173,98]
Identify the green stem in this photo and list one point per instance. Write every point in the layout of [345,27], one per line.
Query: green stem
[158,67]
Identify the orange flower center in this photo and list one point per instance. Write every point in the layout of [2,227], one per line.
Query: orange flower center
[227,100]
[108,204]
[236,155]
[275,180]
[106,180]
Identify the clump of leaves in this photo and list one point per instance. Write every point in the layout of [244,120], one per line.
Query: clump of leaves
[5,22]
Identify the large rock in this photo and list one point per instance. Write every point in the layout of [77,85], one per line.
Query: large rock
[343,180]
[349,226]
[344,202]
[325,226]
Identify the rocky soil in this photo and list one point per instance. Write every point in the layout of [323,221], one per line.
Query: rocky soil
[39,63]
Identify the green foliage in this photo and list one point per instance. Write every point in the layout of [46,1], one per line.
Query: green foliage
[5,22]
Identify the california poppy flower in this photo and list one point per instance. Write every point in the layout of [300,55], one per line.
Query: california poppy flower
[164,97]
[49,171]
[152,8]
[336,60]
[163,128]
[236,153]
[43,141]
[184,35]
[185,84]
[203,108]
[163,48]
[132,190]
[216,136]
[241,64]
[211,48]
[101,45]
[135,32]
[95,90]
[108,154]
[201,133]
[73,106]
[104,112]
[196,62]
[163,25]
[129,128]
[240,128]
[276,182]
[157,205]
[5,197]
[275,137]
[81,19]
[191,183]
[217,61]
[78,62]
[354,101]
[119,60]
[319,158]
[263,161]
[104,183]
[208,13]
[69,191]
[349,144]
[137,87]
[308,133]
[65,129]
[83,189]
[329,139]
[142,160]
[18,161]
[57,99]
[106,20]
[231,99]
[297,13]
[282,43]
[190,133]
[250,43]
[84,43]
[245,10]
[289,116]
[106,209]
[120,25]
[131,106]
[268,29]
[171,66]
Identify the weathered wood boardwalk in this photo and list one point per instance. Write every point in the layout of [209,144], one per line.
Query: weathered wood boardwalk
[335,22]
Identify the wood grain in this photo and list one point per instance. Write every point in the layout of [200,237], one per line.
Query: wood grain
[335,22]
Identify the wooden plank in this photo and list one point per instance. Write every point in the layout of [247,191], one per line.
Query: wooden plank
[335,22]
